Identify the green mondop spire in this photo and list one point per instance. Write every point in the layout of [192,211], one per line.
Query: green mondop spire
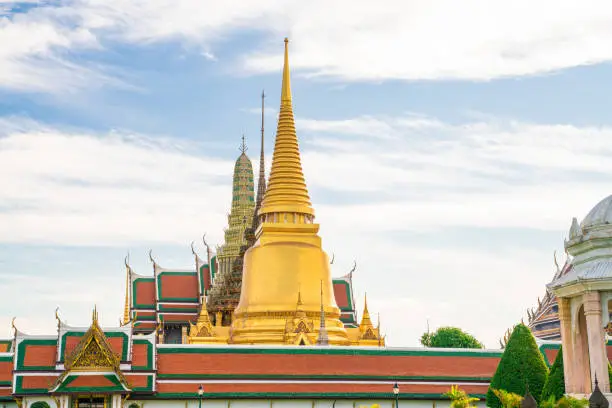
[243,205]
[243,185]
[225,292]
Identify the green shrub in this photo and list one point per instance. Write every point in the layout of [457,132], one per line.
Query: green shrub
[555,384]
[459,398]
[508,399]
[571,402]
[521,364]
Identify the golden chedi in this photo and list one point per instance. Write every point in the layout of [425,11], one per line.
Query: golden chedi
[286,275]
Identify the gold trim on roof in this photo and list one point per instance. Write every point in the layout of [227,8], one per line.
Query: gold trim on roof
[93,353]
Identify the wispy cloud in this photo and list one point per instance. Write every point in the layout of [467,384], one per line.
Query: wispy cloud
[84,188]
[397,40]
[426,174]
[415,40]
[392,203]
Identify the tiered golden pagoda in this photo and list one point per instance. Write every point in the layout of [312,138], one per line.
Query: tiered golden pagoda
[287,294]
[287,259]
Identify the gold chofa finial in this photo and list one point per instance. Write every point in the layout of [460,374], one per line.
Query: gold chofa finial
[94,314]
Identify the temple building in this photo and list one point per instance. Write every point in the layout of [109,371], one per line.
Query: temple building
[584,298]
[544,318]
[261,323]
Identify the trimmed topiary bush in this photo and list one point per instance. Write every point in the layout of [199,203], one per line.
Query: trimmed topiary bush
[521,364]
[555,384]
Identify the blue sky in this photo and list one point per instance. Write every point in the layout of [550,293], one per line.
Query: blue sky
[446,150]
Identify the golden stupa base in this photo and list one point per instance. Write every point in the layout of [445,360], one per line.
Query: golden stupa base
[285,328]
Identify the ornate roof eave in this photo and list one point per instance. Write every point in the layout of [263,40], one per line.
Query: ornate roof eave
[17,334]
[136,275]
[122,381]
[580,285]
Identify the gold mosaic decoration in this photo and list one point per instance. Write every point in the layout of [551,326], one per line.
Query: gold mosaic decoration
[93,353]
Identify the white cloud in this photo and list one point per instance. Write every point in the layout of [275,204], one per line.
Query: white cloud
[439,39]
[77,188]
[406,40]
[374,198]
[428,174]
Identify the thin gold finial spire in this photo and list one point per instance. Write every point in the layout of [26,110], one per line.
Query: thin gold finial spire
[287,193]
[286,89]
[126,309]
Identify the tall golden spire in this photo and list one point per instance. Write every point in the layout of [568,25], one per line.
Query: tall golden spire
[286,261]
[286,192]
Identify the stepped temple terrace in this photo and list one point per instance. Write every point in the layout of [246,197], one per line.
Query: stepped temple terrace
[261,320]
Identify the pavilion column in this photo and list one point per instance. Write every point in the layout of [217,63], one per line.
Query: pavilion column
[597,345]
[567,342]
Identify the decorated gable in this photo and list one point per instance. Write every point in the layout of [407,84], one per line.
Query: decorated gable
[71,337]
[343,291]
[93,364]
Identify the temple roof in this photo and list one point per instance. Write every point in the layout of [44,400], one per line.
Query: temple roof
[601,214]
[93,364]
[589,245]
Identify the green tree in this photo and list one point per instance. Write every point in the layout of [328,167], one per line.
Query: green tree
[450,337]
[521,364]
[555,383]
